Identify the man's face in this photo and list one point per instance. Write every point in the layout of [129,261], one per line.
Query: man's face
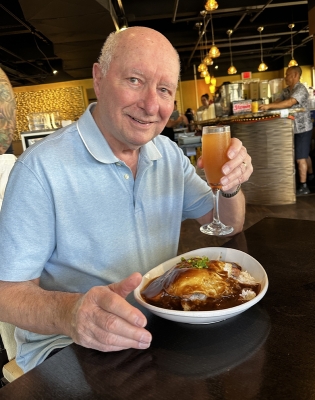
[136,97]
[291,78]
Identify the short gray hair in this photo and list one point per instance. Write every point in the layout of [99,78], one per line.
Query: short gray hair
[107,51]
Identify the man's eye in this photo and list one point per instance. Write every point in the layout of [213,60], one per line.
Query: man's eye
[164,90]
[134,80]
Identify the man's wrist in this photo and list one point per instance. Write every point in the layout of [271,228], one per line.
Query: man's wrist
[229,195]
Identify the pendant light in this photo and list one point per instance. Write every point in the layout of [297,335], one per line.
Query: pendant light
[214,52]
[202,67]
[207,60]
[293,62]
[232,70]
[211,5]
[213,81]
[262,66]
[212,89]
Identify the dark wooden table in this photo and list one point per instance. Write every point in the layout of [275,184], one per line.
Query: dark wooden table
[268,352]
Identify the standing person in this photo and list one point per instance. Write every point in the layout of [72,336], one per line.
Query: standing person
[100,199]
[7,126]
[205,100]
[175,121]
[295,95]
[175,113]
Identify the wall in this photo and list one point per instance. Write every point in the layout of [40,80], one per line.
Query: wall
[70,98]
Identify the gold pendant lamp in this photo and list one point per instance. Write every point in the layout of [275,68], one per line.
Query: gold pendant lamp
[262,66]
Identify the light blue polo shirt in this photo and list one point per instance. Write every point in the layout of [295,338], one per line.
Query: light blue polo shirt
[74,216]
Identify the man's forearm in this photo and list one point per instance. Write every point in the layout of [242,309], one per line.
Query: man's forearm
[232,211]
[30,307]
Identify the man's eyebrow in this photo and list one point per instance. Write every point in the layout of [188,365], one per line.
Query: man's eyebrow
[137,71]
[166,84]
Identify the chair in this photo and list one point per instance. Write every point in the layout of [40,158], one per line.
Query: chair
[10,370]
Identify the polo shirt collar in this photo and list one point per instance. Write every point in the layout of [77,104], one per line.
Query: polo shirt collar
[97,145]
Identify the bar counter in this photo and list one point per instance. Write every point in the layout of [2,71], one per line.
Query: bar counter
[267,352]
[269,139]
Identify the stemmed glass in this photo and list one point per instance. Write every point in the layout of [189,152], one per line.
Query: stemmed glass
[215,143]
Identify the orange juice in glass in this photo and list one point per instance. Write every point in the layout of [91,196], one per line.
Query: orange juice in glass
[215,143]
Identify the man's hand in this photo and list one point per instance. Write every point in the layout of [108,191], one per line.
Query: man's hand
[264,107]
[238,169]
[103,320]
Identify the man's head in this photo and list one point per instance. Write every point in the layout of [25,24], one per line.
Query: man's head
[205,100]
[292,76]
[135,83]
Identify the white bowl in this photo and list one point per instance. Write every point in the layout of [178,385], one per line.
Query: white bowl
[247,263]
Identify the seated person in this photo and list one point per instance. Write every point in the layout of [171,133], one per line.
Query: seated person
[99,203]
[189,114]
[171,124]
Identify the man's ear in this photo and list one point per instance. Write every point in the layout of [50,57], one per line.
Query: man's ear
[97,77]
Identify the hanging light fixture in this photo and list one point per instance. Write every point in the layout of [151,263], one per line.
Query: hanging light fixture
[203,74]
[293,62]
[211,5]
[207,79]
[214,52]
[212,89]
[213,81]
[232,70]
[262,66]
[208,60]
[202,66]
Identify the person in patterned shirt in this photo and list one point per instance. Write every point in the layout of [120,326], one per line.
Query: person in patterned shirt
[295,95]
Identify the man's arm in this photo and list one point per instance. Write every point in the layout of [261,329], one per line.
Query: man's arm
[181,119]
[278,104]
[7,113]
[100,319]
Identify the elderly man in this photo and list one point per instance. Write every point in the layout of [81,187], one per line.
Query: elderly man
[100,199]
[295,96]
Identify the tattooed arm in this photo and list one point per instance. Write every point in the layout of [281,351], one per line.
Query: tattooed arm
[7,113]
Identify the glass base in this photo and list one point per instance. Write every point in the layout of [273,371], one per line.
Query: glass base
[216,229]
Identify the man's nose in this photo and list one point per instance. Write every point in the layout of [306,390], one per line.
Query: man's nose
[149,101]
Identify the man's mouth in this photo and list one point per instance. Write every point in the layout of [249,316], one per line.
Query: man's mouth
[142,122]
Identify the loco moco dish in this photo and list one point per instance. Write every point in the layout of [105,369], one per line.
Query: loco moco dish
[200,284]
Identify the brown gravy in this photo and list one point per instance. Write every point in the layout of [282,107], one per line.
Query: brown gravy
[184,287]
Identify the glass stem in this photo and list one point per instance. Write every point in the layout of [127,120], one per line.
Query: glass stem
[216,218]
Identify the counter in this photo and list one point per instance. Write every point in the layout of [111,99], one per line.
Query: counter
[270,142]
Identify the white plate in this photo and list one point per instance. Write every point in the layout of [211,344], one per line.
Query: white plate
[247,263]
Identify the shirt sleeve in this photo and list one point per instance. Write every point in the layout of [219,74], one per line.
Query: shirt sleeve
[300,94]
[27,241]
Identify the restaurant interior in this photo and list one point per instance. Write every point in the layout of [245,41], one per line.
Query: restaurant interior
[47,51]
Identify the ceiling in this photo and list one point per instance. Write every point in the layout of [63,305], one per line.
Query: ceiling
[39,36]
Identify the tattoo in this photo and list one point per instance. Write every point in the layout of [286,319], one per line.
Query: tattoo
[7,112]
